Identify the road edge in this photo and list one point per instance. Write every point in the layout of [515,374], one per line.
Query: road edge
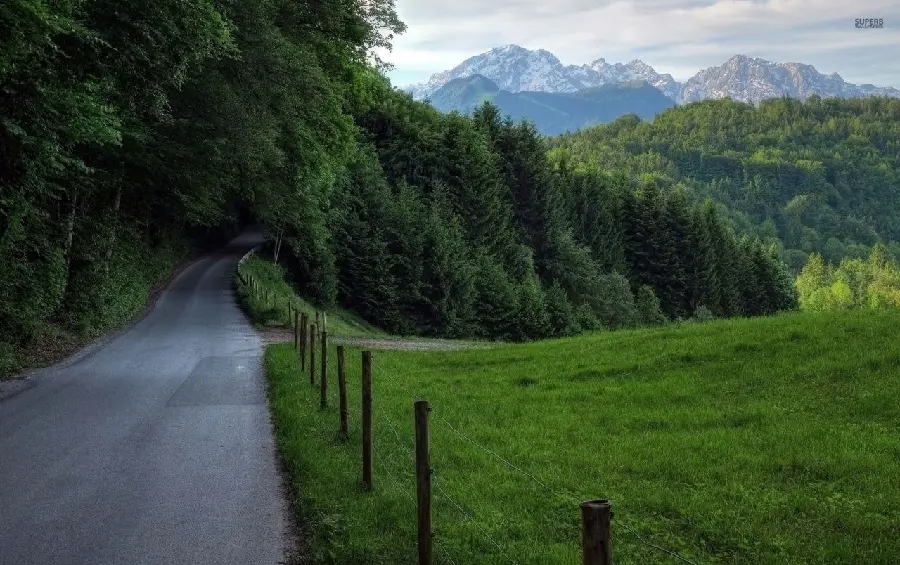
[28,379]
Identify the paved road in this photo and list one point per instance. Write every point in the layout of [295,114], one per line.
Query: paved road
[155,448]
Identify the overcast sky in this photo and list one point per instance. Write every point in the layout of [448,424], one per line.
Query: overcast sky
[673,36]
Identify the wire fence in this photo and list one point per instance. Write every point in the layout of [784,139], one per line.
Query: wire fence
[505,461]
[405,448]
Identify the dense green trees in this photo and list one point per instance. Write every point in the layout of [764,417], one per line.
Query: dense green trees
[127,129]
[818,176]
[465,226]
[128,132]
[854,283]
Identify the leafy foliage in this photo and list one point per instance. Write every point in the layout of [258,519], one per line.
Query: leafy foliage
[853,284]
[126,129]
[814,176]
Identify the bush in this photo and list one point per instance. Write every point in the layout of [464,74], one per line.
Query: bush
[702,314]
[648,307]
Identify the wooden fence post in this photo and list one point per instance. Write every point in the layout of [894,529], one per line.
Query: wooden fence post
[296,329]
[423,481]
[342,390]
[323,402]
[312,355]
[367,418]
[290,314]
[595,538]
[317,321]
[304,320]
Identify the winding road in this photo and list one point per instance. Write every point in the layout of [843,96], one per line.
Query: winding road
[154,447]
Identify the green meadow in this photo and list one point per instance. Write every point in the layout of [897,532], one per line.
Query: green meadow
[773,440]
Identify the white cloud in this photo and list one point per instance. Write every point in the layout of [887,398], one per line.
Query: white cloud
[675,36]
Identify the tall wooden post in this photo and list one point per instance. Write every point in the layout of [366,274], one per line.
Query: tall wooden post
[595,538]
[312,355]
[323,402]
[367,418]
[423,481]
[304,319]
[342,391]
[290,314]
[296,329]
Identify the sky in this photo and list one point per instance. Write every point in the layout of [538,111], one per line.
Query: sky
[679,37]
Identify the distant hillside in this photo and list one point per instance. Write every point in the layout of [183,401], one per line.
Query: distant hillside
[816,176]
[554,113]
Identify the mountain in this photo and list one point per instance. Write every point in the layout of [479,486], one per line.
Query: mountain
[554,113]
[749,79]
[464,94]
[516,69]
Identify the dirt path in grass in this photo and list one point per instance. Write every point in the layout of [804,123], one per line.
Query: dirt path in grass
[284,335]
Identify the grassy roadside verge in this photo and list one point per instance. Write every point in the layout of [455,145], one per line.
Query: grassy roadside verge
[742,441]
[275,313]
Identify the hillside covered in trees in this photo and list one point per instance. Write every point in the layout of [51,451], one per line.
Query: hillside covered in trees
[132,132]
[819,176]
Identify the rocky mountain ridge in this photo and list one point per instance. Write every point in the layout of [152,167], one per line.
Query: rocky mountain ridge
[750,79]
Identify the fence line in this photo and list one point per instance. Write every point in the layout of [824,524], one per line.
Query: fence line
[393,480]
[505,461]
[568,496]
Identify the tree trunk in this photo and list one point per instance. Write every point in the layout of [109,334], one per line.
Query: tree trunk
[278,239]
[70,231]
[117,203]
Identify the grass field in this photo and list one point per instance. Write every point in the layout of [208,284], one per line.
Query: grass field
[747,442]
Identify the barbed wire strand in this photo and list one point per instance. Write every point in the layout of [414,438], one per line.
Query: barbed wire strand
[401,386]
[388,474]
[654,546]
[444,551]
[470,518]
[405,445]
[409,496]
[505,461]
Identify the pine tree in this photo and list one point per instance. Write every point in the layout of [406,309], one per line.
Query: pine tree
[474,188]
[448,291]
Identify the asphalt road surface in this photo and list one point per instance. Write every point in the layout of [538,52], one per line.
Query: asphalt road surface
[155,447]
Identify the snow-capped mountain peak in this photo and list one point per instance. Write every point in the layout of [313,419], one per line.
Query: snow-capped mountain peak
[752,79]
[516,69]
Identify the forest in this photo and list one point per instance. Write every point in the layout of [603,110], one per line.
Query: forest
[814,176]
[134,134]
